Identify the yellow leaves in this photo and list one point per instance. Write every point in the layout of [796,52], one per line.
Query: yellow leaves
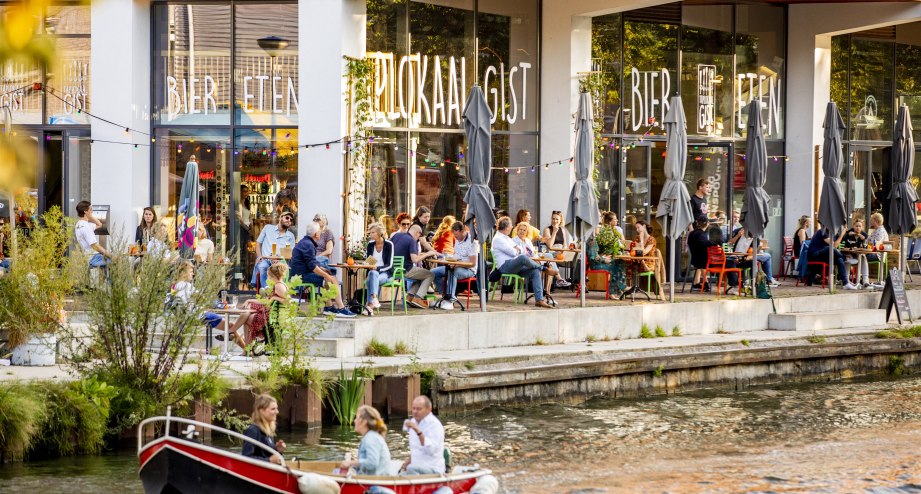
[17,164]
[20,26]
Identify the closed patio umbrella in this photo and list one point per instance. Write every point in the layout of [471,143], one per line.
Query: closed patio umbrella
[831,203]
[582,210]
[479,198]
[756,202]
[902,195]
[674,203]
[187,211]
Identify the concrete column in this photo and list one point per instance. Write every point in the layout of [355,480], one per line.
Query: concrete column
[328,30]
[810,29]
[120,92]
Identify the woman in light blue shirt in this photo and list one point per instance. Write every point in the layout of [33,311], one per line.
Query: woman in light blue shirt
[373,453]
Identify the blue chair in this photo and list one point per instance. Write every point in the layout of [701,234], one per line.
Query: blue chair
[914,255]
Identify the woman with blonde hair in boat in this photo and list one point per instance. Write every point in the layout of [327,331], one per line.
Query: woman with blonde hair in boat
[373,453]
[265,411]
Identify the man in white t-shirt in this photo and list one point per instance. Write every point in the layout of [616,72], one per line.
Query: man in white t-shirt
[426,440]
[85,232]
[281,236]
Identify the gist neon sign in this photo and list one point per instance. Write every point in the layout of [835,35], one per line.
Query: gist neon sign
[431,90]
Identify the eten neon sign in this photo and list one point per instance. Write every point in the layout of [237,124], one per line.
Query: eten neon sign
[431,89]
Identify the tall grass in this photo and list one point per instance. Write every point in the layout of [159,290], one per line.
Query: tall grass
[346,394]
[21,415]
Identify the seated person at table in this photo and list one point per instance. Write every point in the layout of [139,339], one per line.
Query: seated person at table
[604,260]
[205,250]
[856,238]
[465,251]
[278,235]
[557,236]
[877,236]
[645,241]
[379,250]
[85,232]
[183,291]
[524,216]
[742,243]
[406,245]
[443,240]
[304,264]
[156,245]
[509,259]
[523,232]
[819,251]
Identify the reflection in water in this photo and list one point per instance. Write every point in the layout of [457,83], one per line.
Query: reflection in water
[831,437]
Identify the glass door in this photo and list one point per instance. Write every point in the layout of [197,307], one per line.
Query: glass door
[867,178]
[636,196]
[712,161]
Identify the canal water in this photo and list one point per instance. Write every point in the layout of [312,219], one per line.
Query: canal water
[854,436]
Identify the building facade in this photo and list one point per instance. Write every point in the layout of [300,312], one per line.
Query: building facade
[258,92]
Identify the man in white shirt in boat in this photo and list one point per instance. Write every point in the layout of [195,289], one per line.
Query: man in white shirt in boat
[426,440]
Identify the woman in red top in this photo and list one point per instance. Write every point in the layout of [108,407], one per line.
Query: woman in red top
[444,240]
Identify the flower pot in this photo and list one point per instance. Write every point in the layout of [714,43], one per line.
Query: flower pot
[37,351]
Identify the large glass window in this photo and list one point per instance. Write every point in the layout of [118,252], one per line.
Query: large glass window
[760,50]
[425,61]
[225,89]
[707,65]
[265,64]
[192,72]
[872,73]
[650,74]
[606,60]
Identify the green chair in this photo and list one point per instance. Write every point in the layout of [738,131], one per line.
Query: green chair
[516,280]
[308,289]
[882,265]
[398,281]
[649,275]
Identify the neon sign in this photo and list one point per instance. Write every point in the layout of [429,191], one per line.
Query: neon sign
[399,89]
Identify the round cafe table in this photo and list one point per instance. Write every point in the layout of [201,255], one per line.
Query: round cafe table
[450,267]
[350,283]
[546,278]
[635,286]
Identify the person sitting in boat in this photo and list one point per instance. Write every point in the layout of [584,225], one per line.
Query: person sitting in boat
[373,453]
[426,440]
[265,410]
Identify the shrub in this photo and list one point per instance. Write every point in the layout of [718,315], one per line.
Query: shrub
[660,332]
[72,425]
[21,415]
[376,348]
[645,332]
[676,331]
[346,395]
[32,293]
[401,348]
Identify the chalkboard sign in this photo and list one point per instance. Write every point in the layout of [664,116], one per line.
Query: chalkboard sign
[894,294]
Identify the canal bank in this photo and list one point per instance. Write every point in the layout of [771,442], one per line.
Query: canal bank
[572,354]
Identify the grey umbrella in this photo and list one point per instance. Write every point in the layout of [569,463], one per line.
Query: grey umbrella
[479,198]
[674,203]
[756,202]
[831,203]
[187,211]
[582,210]
[902,195]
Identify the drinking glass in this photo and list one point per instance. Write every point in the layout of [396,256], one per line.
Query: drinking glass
[274,246]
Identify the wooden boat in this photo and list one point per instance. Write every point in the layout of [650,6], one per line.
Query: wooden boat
[173,463]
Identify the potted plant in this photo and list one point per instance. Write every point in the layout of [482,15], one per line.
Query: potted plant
[32,293]
[357,251]
[609,241]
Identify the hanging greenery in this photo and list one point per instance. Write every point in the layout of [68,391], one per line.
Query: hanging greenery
[358,100]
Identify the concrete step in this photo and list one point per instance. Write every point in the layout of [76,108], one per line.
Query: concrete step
[834,319]
[333,347]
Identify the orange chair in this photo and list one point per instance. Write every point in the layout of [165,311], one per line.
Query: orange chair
[607,282]
[716,264]
[469,281]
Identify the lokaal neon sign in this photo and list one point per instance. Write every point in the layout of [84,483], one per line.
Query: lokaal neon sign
[399,89]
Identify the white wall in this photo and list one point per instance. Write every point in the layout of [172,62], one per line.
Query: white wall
[120,92]
[327,31]
[810,29]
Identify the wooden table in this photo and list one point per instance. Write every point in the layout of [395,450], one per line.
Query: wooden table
[350,284]
[861,252]
[228,312]
[569,257]
[636,276]
[547,279]
[450,267]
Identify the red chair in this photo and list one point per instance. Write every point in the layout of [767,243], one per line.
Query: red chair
[607,283]
[823,265]
[469,281]
[716,264]
[788,261]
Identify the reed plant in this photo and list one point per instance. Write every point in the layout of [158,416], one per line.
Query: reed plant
[21,416]
[346,394]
